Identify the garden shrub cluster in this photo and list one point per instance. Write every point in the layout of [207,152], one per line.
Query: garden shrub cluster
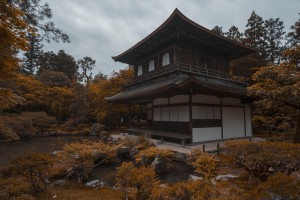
[262,159]
[146,156]
[13,189]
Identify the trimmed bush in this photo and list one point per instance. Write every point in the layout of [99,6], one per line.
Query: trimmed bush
[262,159]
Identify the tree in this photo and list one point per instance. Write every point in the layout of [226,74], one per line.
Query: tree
[60,62]
[205,165]
[281,83]
[234,34]
[54,78]
[142,179]
[102,110]
[12,38]
[273,39]
[255,32]
[86,65]
[218,30]
[294,36]
[31,65]
[34,168]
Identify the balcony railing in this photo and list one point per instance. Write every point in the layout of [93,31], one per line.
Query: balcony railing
[185,68]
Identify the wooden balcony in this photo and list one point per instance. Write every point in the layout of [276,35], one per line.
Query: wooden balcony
[186,68]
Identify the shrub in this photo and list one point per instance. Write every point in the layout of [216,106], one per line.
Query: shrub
[7,133]
[264,158]
[138,142]
[279,187]
[33,168]
[142,179]
[205,165]
[146,156]
[187,190]
[84,156]
[13,188]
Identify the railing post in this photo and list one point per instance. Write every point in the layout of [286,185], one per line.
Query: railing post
[203,148]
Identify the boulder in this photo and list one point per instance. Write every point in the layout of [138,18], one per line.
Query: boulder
[59,182]
[225,177]
[96,183]
[180,157]
[193,177]
[159,164]
[54,153]
[95,129]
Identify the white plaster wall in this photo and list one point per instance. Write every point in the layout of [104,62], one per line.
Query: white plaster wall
[174,114]
[248,121]
[206,134]
[233,122]
[179,99]
[200,98]
[165,114]
[156,114]
[231,101]
[183,113]
[160,101]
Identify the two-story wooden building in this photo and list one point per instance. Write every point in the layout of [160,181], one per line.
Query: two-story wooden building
[182,76]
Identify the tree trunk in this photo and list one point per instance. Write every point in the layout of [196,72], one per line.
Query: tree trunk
[297,135]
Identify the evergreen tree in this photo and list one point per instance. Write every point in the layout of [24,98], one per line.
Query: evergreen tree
[234,34]
[218,30]
[30,65]
[255,32]
[294,36]
[273,39]
[86,65]
[60,62]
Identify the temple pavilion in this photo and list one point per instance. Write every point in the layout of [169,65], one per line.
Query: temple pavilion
[182,79]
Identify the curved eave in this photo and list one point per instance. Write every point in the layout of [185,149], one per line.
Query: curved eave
[123,57]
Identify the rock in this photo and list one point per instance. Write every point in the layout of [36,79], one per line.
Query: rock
[193,177]
[123,151]
[180,157]
[95,129]
[296,175]
[225,177]
[54,153]
[271,169]
[95,183]
[59,182]
[159,165]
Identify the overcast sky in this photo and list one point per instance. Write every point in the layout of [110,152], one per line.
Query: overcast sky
[104,28]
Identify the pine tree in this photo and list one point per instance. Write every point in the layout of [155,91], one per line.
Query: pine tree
[218,30]
[273,39]
[255,32]
[234,34]
[294,36]
[31,65]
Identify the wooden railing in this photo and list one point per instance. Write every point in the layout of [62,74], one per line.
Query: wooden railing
[184,68]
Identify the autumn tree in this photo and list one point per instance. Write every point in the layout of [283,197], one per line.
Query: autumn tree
[142,179]
[234,34]
[34,168]
[294,36]
[103,111]
[281,83]
[273,39]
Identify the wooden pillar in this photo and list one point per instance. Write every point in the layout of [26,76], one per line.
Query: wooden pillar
[191,114]
[221,113]
[245,128]
[129,117]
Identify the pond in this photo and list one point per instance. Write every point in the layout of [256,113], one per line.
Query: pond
[12,150]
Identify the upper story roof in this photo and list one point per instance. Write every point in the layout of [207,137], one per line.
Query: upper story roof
[180,30]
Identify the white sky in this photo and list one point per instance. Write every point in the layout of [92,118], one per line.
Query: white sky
[104,28]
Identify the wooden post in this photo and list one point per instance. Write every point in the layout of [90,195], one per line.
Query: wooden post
[191,113]
[218,148]
[221,113]
[129,117]
[245,129]
[203,148]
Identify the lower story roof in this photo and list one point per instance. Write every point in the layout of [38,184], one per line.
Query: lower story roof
[181,84]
